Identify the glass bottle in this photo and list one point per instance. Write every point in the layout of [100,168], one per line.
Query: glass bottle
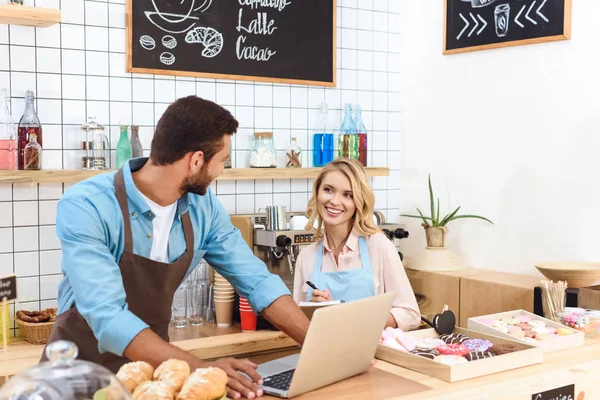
[29,123]
[123,148]
[8,139]
[33,153]
[362,136]
[348,139]
[293,155]
[263,153]
[323,139]
[136,146]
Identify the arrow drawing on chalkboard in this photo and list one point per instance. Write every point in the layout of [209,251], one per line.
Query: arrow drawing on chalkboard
[540,14]
[518,15]
[467,24]
[533,21]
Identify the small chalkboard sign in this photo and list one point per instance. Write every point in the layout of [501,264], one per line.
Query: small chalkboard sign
[285,41]
[472,25]
[8,287]
[561,393]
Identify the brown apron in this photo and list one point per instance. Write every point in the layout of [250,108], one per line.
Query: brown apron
[149,288]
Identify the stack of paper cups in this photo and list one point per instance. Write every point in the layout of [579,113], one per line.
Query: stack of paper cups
[224,298]
[247,316]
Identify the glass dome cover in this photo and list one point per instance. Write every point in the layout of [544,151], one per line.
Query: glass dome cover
[64,377]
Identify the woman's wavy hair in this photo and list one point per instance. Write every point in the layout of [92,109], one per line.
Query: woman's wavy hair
[362,194]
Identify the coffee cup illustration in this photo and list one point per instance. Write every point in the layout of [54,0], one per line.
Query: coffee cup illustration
[479,3]
[502,18]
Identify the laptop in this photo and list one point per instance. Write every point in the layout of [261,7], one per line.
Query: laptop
[340,343]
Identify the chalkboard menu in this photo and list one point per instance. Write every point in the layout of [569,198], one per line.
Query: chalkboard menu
[485,24]
[288,41]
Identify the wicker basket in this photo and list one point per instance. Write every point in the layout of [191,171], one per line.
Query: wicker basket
[36,333]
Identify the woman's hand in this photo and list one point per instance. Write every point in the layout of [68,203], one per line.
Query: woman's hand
[320,296]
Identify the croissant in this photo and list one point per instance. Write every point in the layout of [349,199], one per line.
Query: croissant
[204,384]
[173,372]
[150,390]
[134,373]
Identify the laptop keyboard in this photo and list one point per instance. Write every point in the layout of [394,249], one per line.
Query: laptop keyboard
[280,381]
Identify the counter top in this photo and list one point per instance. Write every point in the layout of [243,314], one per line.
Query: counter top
[579,366]
[207,342]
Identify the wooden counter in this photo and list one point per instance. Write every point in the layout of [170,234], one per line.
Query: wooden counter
[579,366]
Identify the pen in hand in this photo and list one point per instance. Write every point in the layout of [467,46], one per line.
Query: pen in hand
[314,287]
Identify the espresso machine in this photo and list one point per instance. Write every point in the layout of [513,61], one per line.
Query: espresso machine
[278,246]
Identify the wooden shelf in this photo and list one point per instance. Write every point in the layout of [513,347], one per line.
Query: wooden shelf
[71,176]
[29,16]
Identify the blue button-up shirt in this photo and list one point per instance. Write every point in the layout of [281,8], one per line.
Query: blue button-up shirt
[89,225]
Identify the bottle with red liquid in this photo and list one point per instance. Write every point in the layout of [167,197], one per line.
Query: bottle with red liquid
[28,124]
[362,136]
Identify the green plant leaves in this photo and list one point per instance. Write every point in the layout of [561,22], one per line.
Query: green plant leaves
[435,216]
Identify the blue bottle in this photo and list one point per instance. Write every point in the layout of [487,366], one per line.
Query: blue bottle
[323,145]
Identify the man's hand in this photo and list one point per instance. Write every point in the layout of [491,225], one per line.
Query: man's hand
[238,384]
[320,296]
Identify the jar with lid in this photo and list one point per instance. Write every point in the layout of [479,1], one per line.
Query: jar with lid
[64,377]
[95,145]
[293,155]
[263,153]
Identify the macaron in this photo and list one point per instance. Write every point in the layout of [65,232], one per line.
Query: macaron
[529,333]
[530,340]
[524,326]
[536,323]
[551,330]
[542,336]
[510,321]
[513,328]
[498,324]
[519,334]
[522,318]
[540,329]
[563,332]
[486,321]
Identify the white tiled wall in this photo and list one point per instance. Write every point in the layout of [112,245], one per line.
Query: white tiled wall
[77,70]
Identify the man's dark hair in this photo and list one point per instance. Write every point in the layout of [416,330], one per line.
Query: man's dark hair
[191,124]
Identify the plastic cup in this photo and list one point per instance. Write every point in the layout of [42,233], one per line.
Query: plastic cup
[248,321]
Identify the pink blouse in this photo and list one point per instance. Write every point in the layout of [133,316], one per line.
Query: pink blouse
[389,274]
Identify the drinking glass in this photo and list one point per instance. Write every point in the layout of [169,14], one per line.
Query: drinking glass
[179,307]
[198,298]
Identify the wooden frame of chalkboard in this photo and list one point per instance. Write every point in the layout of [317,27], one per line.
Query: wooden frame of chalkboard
[330,81]
[473,26]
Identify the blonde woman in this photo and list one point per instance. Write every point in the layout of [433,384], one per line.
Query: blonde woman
[351,258]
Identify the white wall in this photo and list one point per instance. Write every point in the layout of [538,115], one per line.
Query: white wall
[77,69]
[510,134]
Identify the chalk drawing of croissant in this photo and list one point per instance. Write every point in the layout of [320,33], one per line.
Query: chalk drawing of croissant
[209,37]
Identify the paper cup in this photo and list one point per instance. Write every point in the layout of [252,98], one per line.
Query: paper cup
[248,321]
[224,311]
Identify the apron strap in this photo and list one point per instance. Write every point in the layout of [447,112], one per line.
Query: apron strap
[188,232]
[364,256]
[121,194]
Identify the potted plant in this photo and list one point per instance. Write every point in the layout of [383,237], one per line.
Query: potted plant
[435,228]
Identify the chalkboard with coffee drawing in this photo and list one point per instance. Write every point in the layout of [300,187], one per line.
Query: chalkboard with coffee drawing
[471,25]
[286,41]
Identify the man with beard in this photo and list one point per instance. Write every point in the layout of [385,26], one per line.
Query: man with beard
[130,237]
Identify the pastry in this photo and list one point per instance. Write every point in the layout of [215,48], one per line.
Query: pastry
[391,342]
[173,372]
[563,332]
[450,360]
[134,373]
[540,330]
[454,349]
[524,326]
[529,334]
[33,316]
[536,324]
[153,391]
[487,321]
[500,349]
[522,318]
[518,334]
[428,343]
[431,354]
[478,355]
[542,336]
[204,384]
[454,338]
[510,321]
[477,344]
